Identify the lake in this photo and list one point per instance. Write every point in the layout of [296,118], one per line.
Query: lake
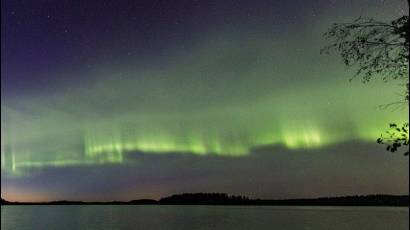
[146,217]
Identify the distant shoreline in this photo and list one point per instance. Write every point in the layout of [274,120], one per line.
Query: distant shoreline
[139,204]
[221,199]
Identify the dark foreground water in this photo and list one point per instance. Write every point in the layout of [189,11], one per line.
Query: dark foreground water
[202,217]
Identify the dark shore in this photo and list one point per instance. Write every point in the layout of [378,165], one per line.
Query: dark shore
[224,199]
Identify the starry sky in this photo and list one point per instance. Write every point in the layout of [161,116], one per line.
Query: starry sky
[120,100]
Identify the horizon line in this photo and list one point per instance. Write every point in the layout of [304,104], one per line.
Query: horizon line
[203,193]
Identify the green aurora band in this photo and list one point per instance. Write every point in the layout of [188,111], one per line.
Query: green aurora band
[225,97]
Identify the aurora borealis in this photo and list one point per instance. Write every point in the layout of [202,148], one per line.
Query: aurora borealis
[121,100]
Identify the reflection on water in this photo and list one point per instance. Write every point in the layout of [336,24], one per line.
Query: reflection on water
[202,217]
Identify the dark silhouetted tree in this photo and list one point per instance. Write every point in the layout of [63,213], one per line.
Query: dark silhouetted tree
[395,138]
[377,49]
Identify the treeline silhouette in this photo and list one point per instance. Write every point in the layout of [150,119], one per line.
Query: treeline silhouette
[4,201]
[225,199]
[204,198]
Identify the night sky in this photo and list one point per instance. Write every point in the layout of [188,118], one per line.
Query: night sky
[105,100]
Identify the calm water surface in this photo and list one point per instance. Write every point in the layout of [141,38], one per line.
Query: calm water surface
[202,217]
